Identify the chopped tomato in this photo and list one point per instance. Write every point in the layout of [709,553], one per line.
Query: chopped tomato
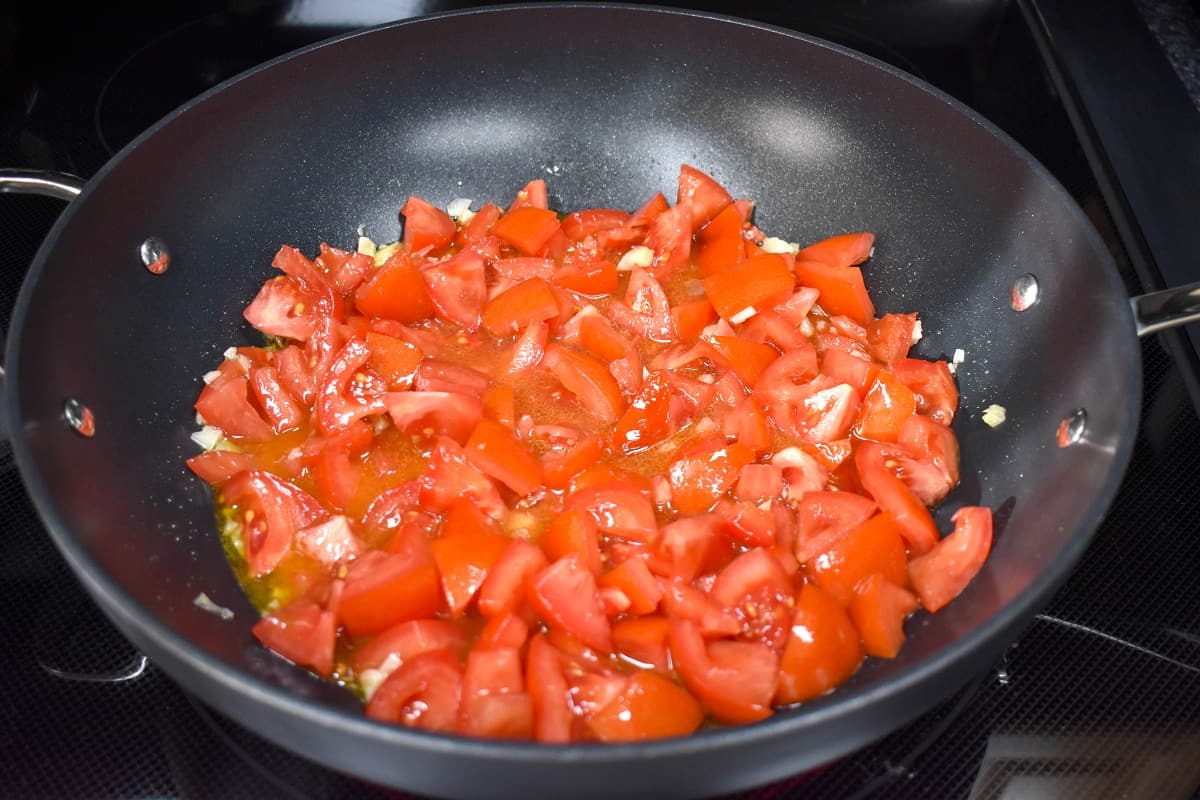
[458,288]
[759,592]
[409,639]
[843,367]
[450,476]
[842,290]
[386,590]
[878,610]
[225,403]
[843,250]
[593,386]
[435,413]
[271,511]
[217,466]
[643,640]
[547,686]
[593,276]
[331,541]
[470,544]
[719,243]
[534,194]
[561,468]
[748,359]
[734,679]
[874,546]
[573,531]
[618,509]
[822,651]
[423,693]
[933,470]
[426,225]
[646,311]
[891,336]
[579,225]
[503,590]
[565,595]
[303,633]
[692,546]
[916,524]
[886,407]
[282,309]
[481,224]
[527,228]
[633,577]
[941,574]
[650,707]
[395,360]
[692,318]
[647,421]
[824,518]
[395,291]
[670,237]
[497,453]
[701,194]
[512,310]
[758,284]
[932,385]
[698,480]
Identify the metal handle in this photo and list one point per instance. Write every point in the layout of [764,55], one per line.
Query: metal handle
[49,184]
[1158,311]
[32,181]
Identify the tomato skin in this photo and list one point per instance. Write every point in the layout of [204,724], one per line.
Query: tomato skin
[933,470]
[647,421]
[423,693]
[734,679]
[759,283]
[565,595]
[822,651]
[842,250]
[534,194]
[878,610]
[499,454]
[748,359]
[547,686]
[701,194]
[941,574]
[386,590]
[395,291]
[466,551]
[561,468]
[874,546]
[426,225]
[719,243]
[650,707]
[842,289]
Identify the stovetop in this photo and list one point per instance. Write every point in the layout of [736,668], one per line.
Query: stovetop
[1099,697]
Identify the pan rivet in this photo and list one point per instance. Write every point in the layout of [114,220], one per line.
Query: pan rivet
[79,417]
[1024,292]
[154,255]
[1072,428]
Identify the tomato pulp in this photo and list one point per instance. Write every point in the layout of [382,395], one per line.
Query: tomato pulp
[594,478]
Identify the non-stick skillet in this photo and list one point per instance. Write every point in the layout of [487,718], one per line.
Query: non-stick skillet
[610,100]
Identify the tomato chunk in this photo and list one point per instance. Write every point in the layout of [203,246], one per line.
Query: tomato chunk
[734,679]
[469,546]
[941,574]
[878,610]
[565,595]
[386,590]
[822,651]
[651,707]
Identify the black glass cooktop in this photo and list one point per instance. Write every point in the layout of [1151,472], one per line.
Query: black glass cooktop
[1100,697]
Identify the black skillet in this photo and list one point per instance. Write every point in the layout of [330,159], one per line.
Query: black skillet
[605,102]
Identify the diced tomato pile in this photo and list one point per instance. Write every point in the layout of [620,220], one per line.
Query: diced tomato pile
[600,477]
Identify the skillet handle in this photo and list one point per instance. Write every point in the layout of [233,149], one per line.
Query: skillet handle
[1169,308]
[49,184]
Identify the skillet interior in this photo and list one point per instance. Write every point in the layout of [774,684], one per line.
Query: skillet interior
[605,103]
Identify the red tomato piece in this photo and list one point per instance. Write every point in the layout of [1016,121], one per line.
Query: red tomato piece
[438,375]
[932,385]
[916,525]
[819,411]
[885,408]
[757,590]
[561,468]
[842,290]
[592,384]
[842,367]
[878,610]
[449,476]
[824,518]
[692,546]
[280,407]
[409,639]
[646,311]
[746,523]
[581,224]
[500,455]
[347,269]
[873,546]
[618,509]
[573,531]
[312,282]
[336,406]
[822,651]
[891,336]
[395,291]
[272,510]
[703,196]
[758,284]
[225,403]
[281,309]
[301,632]
[547,686]
[423,693]
[426,226]
[214,467]
[331,541]
[670,237]
[592,276]
[499,404]
[533,195]
[682,601]
[941,574]
[692,318]
[759,482]
[294,373]
[383,590]
[747,358]
[842,250]
[719,244]
[470,544]
[647,421]
[698,480]
[480,225]
[734,679]
[435,413]
[633,577]
[933,470]
[503,590]
[394,359]
[565,595]
[512,310]
[458,288]
[503,631]
[527,228]
[643,640]
[524,268]
[747,425]
[650,707]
